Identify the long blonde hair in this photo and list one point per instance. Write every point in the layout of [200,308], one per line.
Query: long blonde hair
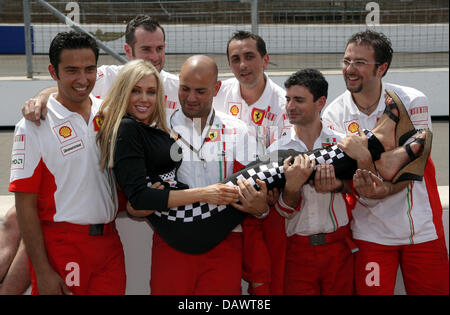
[115,106]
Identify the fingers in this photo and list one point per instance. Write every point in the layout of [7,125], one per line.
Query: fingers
[262,185]
[287,162]
[157,185]
[65,289]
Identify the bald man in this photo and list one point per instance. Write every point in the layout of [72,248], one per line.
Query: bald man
[212,144]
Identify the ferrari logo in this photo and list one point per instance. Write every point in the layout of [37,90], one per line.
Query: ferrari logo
[213,135]
[98,121]
[258,116]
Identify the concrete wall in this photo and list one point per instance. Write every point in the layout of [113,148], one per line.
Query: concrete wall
[433,82]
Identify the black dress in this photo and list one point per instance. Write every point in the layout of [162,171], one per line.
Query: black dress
[143,156]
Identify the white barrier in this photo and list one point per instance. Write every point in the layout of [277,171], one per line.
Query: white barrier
[432,82]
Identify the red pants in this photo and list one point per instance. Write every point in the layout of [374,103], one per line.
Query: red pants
[88,264]
[217,271]
[264,253]
[276,240]
[424,268]
[319,269]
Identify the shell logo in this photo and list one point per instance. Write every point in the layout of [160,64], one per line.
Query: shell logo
[234,110]
[353,127]
[65,132]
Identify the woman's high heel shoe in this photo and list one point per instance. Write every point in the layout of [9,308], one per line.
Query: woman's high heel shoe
[415,169]
[404,128]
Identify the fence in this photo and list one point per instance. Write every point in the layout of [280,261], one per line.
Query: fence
[298,33]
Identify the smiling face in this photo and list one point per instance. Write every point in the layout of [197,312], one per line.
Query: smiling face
[198,86]
[149,46]
[143,99]
[246,62]
[76,75]
[368,76]
[300,106]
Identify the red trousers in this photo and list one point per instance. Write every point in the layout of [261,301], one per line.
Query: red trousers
[264,252]
[319,269]
[217,271]
[425,268]
[89,264]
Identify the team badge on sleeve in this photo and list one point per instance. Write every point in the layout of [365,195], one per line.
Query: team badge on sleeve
[419,116]
[17,161]
[258,116]
[19,143]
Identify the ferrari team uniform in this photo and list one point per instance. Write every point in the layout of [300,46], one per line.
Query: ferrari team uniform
[319,250]
[77,203]
[107,74]
[405,227]
[264,244]
[209,156]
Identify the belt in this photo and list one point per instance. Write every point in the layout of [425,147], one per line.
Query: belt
[341,234]
[89,229]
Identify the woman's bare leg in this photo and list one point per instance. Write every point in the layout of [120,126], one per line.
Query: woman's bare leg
[392,161]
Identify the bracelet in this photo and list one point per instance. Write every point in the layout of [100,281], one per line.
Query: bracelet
[263,214]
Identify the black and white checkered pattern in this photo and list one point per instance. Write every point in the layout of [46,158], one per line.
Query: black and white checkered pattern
[266,172]
[200,210]
[327,155]
[191,212]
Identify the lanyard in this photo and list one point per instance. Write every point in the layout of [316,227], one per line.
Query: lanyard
[179,137]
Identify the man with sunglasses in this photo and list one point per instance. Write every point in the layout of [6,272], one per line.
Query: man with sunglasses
[393,224]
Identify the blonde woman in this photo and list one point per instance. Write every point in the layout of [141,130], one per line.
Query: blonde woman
[134,141]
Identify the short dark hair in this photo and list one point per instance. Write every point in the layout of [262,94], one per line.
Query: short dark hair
[147,22]
[70,40]
[240,35]
[311,79]
[381,45]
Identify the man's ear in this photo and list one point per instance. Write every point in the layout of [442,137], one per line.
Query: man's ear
[128,51]
[321,101]
[382,69]
[52,72]
[217,87]
[266,59]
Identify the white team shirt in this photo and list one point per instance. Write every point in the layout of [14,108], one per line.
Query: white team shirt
[318,212]
[266,118]
[59,161]
[228,142]
[402,218]
[107,74]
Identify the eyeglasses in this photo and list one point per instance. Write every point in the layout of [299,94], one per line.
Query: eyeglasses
[357,64]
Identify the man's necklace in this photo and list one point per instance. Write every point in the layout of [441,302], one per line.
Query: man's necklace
[366,110]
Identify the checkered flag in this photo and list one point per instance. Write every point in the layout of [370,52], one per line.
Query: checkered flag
[329,155]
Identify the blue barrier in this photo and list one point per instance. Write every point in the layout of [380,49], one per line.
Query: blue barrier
[13,39]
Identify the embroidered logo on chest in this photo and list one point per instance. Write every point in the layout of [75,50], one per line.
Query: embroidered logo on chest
[258,116]
[234,109]
[64,132]
[351,127]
